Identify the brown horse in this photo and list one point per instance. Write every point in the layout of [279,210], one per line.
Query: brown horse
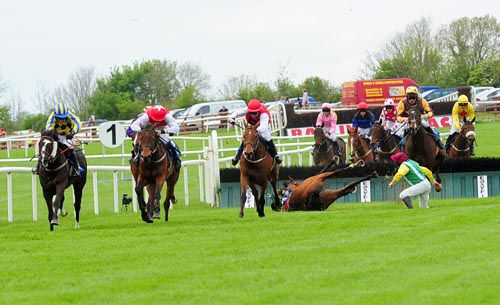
[359,146]
[323,151]
[420,145]
[460,146]
[153,170]
[54,177]
[309,195]
[387,144]
[257,167]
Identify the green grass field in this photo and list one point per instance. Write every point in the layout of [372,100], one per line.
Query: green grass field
[359,253]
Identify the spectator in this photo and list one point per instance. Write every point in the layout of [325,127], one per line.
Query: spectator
[223,111]
[305,98]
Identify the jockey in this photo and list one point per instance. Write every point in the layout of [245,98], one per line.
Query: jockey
[327,119]
[418,177]
[363,120]
[255,113]
[163,122]
[388,115]
[403,111]
[462,111]
[66,125]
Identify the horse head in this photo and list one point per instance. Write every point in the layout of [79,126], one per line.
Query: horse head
[47,148]
[148,144]
[319,136]
[414,118]
[467,131]
[250,141]
[378,134]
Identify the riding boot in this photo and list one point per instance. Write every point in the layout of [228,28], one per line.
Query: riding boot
[272,150]
[76,165]
[175,157]
[336,148]
[374,148]
[35,170]
[407,201]
[136,157]
[236,158]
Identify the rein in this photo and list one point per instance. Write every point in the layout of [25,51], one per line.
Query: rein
[255,150]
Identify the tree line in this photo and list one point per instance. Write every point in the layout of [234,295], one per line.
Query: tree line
[464,52]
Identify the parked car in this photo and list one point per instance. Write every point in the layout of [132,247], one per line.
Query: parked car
[192,114]
[177,113]
[489,95]
[437,93]
[478,90]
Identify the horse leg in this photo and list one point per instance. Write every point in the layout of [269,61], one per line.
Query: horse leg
[78,189]
[259,198]
[139,190]
[150,206]
[329,196]
[159,181]
[170,198]
[57,205]
[276,205]
[48,200]
[243,193]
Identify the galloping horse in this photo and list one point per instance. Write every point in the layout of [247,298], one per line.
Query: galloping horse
[153,170]
[420,145]
[323,151]
[359,146]
[54,175]
[256,168]
[387,144]
[460,146]
[309,195]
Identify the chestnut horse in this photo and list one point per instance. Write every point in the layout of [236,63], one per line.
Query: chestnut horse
[153,170]
[309,195]
[387,144]
[257,167]
[54,177]
[359,146]
[323,151]
[461,145]
[420,145]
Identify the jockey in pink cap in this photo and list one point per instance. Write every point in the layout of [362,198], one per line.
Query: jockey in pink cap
[254,113]
[327,119]
[418,177]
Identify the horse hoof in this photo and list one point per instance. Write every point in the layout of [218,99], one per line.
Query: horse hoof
[63,212]
[156,215]
[241,215]
[173,200]
[77,225]
[54,222]
[149,220]
[52,227]
[374,174]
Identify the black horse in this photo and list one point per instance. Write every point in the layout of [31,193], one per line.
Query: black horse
[54,174]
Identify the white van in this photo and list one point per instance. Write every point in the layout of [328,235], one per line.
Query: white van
[209,108]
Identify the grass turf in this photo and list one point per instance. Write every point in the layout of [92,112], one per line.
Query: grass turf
[377,253]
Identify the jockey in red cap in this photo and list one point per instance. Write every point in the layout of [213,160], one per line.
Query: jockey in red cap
[254,113]
[163,122]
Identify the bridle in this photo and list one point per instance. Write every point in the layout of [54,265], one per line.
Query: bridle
[153,148]
[52,157]
[254,148]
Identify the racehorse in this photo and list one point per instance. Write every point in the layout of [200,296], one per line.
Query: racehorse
[460,146]
[420,145]
[54,175]
[257,167]
[386,143]
[153,170]
[323,151]
[309,195]
[359,146]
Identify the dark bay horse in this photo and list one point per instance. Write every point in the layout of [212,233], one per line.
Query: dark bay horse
[309,195]
[54,175]
[323,151]
[460,146]
[386,143]
[153,170]
[359,146]
[257,167]
[420,145]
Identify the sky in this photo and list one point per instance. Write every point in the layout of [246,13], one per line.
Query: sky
[45,41]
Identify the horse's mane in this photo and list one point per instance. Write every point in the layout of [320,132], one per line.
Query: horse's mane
[148,126]
[49,134]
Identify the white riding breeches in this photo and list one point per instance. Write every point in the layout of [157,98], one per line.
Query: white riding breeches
[331,135]
[364,131]
[63,140]
[422,190]
[266,135]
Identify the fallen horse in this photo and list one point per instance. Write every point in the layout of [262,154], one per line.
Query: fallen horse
[309,194]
